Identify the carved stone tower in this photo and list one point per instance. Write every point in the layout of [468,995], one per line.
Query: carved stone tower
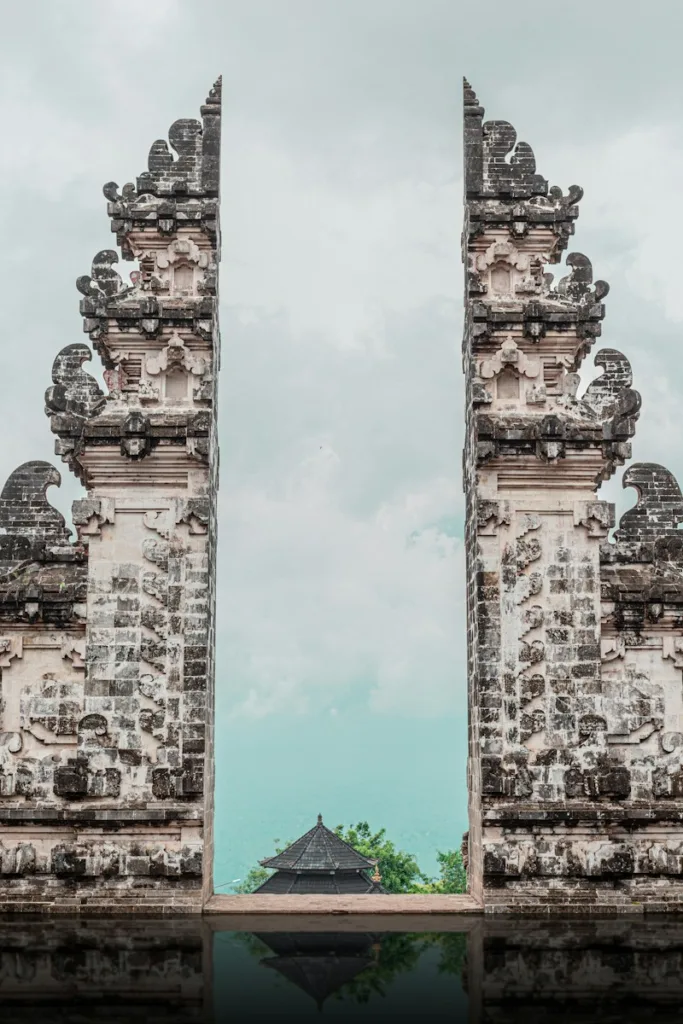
[107,673]
[575,642]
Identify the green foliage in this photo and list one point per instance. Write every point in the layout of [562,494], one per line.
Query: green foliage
[251,881]
[399,870]
[452,948]
[453,875]
[395,953]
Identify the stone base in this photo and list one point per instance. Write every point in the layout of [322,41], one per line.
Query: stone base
[101,900]
[413,903]
[571,897]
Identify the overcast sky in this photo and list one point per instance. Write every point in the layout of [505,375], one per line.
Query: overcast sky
[341,659]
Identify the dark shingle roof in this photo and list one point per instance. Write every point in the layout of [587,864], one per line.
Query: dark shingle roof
[338,884]
[319,850]
[319,976]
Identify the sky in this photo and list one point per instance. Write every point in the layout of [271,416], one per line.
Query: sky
[341,678]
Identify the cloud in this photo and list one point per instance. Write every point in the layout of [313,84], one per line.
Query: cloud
[337,259]
[322,609]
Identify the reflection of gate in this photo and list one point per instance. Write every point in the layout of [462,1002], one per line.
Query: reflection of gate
[124,970]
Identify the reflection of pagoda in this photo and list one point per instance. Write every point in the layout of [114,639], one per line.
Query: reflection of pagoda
[321,862]
[320,964]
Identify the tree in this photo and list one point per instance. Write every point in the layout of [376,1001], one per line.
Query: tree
[453,875]
[252,880]
[399,870]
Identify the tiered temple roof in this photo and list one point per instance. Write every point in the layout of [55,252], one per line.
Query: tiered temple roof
[320,862]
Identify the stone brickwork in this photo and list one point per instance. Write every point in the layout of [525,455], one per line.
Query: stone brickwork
[105,649]
[575,641]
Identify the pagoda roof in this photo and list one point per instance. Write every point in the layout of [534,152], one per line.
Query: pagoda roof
[314,944]
[319,976]
[319,850]
[319,882]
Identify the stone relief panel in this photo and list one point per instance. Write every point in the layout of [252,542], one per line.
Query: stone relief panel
[41,684]
[149,604]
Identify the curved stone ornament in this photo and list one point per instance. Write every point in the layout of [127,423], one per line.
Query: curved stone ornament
[611,396]
[74,391]
[578,286]
[659,508]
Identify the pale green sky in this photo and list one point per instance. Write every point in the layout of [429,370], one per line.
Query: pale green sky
[341,641]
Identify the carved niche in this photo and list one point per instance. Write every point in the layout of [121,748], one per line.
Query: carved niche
[175,363]
[180,269]
[508,365]
[506,272]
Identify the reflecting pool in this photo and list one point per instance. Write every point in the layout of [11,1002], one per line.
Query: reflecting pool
[186,969]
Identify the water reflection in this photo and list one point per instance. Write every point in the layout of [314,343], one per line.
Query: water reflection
[492,970]
[581,971]
[58,971]
[335,972]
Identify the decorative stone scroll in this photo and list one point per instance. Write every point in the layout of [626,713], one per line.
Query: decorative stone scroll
[659,508]
[28,523]
[578,286]
[74,392]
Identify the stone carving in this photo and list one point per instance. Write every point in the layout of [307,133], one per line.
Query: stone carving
[116,380]
[10,647]
[74,650]
[50,710]
[164,172]
[491,515]
[510,355]
[508,272]
[611,396]
[180,270]
[612,647]
[672,647]
[90,514]
[175,356]
[136,440]
[671,741]
[596,516]
[105,283]
[28,523]
[205,389]
[196,513]
[577,287]
[659,508]
[529,586]
[74,391]
[516,176]
[147,392]
[532,618]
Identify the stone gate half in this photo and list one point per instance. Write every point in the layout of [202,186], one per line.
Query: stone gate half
[106,643]
[575,641]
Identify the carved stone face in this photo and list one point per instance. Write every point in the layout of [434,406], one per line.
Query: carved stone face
[134,447]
